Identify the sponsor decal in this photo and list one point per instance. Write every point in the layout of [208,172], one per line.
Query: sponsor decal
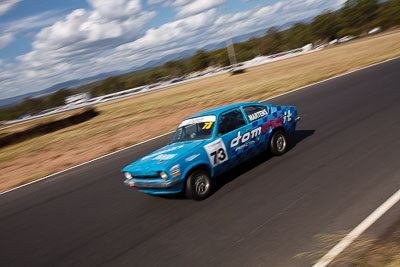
[209,118]
[287,116]
[257,115]
[175,171]
[163,157]
[216,152]
[162,152]
[192,157]
[243,141]
[245,137]
[245,146]
[207,125]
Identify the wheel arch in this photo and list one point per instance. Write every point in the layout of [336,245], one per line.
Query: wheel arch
[281,128]
[191,189]
[199,166]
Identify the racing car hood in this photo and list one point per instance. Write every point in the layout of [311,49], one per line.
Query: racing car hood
[163,158]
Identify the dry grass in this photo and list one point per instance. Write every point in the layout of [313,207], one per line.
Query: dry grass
[363,252]
[131,120]
[28,124]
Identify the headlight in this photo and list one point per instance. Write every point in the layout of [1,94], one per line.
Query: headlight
[163,175]
[127,175]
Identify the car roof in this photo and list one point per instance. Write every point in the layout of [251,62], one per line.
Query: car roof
[219,110]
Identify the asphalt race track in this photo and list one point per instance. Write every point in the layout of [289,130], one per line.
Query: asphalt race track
[343,163]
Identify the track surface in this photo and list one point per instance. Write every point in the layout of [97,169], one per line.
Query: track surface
[344,162]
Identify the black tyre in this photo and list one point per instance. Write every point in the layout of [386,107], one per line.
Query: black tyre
[278,143]
[198,185]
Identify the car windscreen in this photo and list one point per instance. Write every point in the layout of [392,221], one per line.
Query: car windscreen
[195,129]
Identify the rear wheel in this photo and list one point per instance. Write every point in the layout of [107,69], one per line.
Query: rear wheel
[198,185]
[278,143]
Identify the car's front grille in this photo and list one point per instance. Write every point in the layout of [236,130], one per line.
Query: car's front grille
[148,177]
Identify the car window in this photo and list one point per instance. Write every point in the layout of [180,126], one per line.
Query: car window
[255,112]
[230,121]
[194,129]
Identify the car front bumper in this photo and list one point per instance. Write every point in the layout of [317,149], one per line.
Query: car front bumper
[150,184]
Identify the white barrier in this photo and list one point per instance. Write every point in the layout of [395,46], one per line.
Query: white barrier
[260,60]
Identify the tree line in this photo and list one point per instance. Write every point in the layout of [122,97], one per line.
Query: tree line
[354,18]
[35,105]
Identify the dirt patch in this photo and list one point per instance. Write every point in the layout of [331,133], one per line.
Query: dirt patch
[47,127]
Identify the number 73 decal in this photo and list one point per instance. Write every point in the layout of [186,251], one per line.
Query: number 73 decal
[207,125]
[216,152]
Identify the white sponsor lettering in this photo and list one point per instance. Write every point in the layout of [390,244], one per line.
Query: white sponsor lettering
[246,137]
[287,116]
[255,132]
[235,141]
[165,156]
[192,157]
[257,115]
[162,152]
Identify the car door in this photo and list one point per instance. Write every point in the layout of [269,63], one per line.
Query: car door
[224,150]
[257,116]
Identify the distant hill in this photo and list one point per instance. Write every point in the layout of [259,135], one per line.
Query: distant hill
[68,84]
[181,55]
[154,63]
[13,100]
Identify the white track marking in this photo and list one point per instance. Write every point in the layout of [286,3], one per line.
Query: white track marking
[297,89]
[356,232]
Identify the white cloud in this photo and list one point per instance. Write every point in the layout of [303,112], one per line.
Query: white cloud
[153,2]
[88,42]
[5,39]
[69,48]
[180,3]
[173,32]
[9,30]
[198,6]
[6,5]
[116,9]
[280,13]
[185,8]
[35,21]
[84,34]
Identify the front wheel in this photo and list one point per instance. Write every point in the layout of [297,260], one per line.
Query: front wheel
[278,143]
[198,185]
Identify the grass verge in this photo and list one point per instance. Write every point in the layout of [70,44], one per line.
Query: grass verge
[363,252]
[134,119]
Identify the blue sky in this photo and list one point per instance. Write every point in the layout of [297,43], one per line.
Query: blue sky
[44,42]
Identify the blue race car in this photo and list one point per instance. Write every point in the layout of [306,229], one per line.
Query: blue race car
[210,143]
